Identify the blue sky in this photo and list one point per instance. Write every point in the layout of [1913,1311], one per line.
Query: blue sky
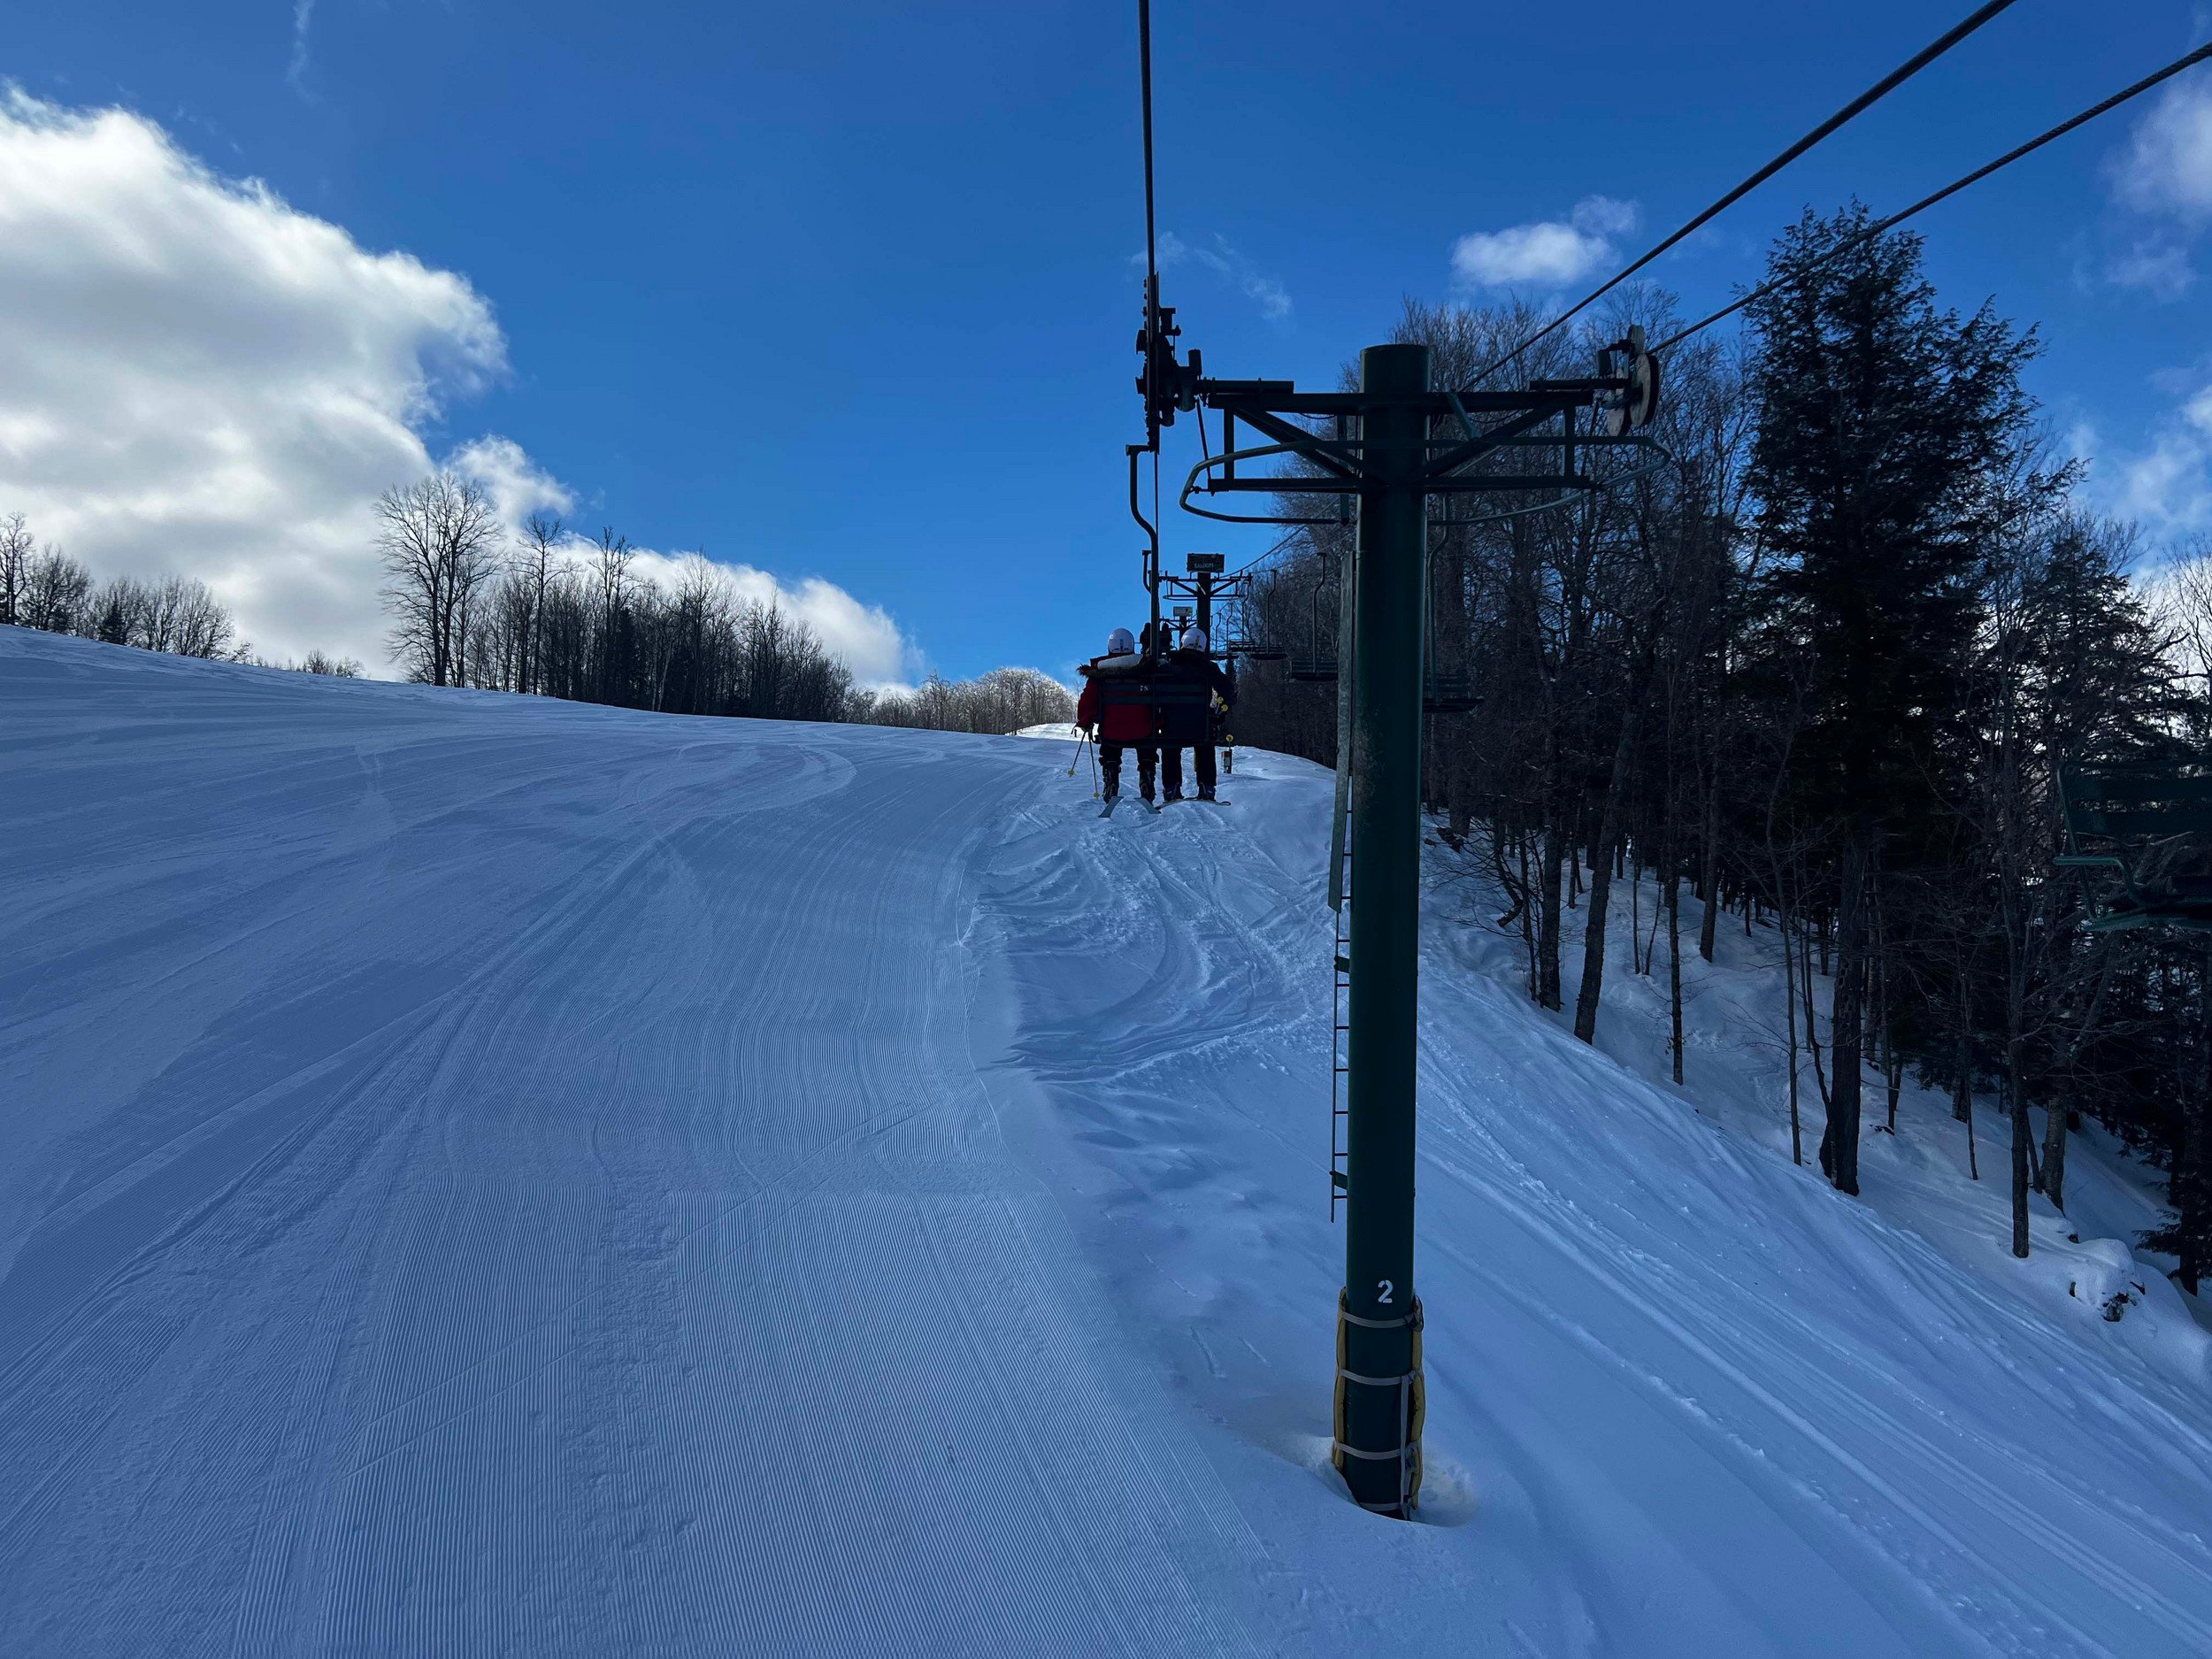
[845,291]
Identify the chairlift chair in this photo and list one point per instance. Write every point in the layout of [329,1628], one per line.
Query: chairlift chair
[2147,829]
[1315,665]
[1442,691]
[1237,600]
[1180,712]
[1448,693]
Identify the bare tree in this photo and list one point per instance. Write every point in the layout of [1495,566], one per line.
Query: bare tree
[1004,700]
[15,566]
[184,617]
[537,568]
[56,591]
[438,543]
[176,614]
[611,574]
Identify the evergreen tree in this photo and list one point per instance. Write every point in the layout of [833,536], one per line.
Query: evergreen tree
[1885,425]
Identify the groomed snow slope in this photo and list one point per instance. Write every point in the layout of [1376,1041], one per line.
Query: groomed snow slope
[484,1176]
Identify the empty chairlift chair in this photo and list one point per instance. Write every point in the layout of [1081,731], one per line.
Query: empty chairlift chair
[1319,662]
[1447,694]
[1240,642]
[2147,833]
[1442,691]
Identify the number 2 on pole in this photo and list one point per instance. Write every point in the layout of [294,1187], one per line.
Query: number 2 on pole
[1382,1290]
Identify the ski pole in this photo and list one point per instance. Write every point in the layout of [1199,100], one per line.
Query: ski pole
[1082,738]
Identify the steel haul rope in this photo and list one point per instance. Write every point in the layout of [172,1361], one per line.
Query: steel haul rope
[1888,83]
[2090,114]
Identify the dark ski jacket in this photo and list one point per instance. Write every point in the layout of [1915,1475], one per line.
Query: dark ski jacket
[1123,713]
[1189,682]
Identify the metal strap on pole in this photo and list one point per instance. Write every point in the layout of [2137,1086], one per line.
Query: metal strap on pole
[1381,1324]
[1412,1390]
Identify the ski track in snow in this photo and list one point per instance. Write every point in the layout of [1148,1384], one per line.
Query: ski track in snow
[485,1176]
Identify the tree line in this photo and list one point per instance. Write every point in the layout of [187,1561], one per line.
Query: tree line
[44,588]
[1820,668]
[548,612]
[1004,700]
[543,612]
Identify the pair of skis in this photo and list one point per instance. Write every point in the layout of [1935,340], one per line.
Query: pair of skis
[1155,810]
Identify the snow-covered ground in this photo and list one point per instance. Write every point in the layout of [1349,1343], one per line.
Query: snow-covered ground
[1736,1071]
[490,1176]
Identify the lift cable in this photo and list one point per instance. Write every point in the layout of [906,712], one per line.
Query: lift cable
[1952,188]
[1152,322]
[1279,543]
[1144,73]
[1888,83]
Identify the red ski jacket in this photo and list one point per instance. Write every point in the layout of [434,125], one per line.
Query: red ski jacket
[1124,717]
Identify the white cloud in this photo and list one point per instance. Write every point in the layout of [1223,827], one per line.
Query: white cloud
[1271,297]
[2167,487]
[2157,266]
[196,378]
[2165,174]
[1604,216]
[1550,253]
[519,487]
[861,636]
[296,70]
[2167,168]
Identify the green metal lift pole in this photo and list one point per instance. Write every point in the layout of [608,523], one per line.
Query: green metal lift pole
[1379,1384]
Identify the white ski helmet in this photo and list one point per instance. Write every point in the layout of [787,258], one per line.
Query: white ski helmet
[1120,642]
[1194,639]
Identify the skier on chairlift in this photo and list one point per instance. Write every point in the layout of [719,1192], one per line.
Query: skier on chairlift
[1116,710]
[1188,720]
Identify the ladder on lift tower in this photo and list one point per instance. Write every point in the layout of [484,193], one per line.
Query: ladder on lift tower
[1340,1044]
[1340,901]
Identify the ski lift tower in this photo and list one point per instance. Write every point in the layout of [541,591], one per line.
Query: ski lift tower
[1205,570]
[1388,447]
[1202,584]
